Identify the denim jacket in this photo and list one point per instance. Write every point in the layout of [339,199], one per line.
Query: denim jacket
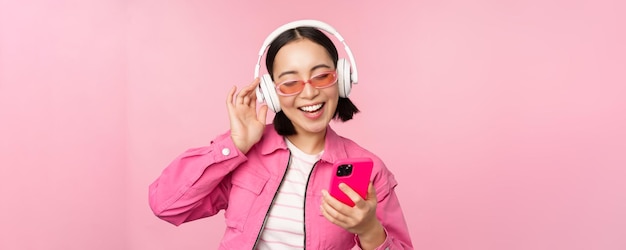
[202,181]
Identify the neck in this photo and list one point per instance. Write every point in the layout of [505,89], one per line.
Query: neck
[310,143]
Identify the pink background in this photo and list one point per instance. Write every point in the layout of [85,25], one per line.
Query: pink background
[504,121]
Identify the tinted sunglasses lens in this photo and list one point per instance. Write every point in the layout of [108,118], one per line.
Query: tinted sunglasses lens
[291,87]
[323,80]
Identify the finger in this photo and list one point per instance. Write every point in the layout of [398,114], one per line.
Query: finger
[255,85]
[331,218]
[255,82]
[252,100]
[335,204]
[229,98]
[245,95]
[332,214]
[371,192]
[253,95]
[239,98]
[249,89]
[353,195]
[262,115]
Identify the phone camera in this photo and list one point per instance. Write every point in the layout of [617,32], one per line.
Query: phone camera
[344,170]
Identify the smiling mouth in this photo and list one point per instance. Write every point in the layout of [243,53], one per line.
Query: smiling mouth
[312,108]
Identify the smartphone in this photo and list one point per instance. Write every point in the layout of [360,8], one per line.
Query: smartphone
[355,172]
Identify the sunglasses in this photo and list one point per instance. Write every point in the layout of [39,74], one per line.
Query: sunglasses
[319,81]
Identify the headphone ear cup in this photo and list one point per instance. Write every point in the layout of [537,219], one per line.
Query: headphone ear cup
[268,92]
[343,78]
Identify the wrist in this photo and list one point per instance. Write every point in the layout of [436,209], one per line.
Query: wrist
[373,237]
[239,145]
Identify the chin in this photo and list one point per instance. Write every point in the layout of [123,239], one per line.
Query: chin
[315,128]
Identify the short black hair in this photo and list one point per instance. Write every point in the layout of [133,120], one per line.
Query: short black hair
[345,108]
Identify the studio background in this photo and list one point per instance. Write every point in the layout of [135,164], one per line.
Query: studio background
[503,121]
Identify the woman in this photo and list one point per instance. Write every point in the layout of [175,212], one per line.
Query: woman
[271,180]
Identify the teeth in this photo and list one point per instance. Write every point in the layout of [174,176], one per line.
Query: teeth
[311,108]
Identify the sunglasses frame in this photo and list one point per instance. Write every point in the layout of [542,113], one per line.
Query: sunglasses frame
[334,81]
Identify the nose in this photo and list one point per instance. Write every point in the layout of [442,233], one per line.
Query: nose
[309,91]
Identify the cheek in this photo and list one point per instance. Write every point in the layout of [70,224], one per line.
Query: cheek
[286,101]
[333,94]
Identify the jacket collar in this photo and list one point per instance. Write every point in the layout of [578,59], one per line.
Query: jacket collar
[334,148]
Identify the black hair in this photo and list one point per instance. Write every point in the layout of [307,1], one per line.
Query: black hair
[345,108]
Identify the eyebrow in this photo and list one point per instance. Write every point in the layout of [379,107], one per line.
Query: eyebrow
[312,69]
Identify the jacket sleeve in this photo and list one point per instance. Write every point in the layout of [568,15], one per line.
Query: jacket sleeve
[197,183]
[390,214]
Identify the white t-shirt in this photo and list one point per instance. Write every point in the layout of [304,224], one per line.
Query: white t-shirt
[284,228]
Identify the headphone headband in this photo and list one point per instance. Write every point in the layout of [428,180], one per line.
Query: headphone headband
[307,23]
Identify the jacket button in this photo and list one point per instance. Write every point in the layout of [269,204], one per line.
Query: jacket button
[226,151]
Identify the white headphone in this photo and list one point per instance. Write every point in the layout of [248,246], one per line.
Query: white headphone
[346,71]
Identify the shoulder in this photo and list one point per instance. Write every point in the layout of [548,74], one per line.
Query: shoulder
[353,149]
[270,136]
[269,142]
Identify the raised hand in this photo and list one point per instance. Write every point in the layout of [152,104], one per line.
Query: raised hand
[360,219]
[246,125]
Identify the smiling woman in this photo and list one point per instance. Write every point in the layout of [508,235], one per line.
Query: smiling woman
[272,180]
[502,121]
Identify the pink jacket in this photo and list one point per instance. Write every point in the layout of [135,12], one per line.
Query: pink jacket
[203,181]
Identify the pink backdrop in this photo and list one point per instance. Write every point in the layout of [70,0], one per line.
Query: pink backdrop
[503,121]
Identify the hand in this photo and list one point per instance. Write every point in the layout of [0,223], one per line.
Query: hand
[360,219]
[246,126]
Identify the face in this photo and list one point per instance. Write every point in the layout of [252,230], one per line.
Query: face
[311,110]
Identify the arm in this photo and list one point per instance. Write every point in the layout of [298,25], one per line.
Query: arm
[196,184]
[391,217]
